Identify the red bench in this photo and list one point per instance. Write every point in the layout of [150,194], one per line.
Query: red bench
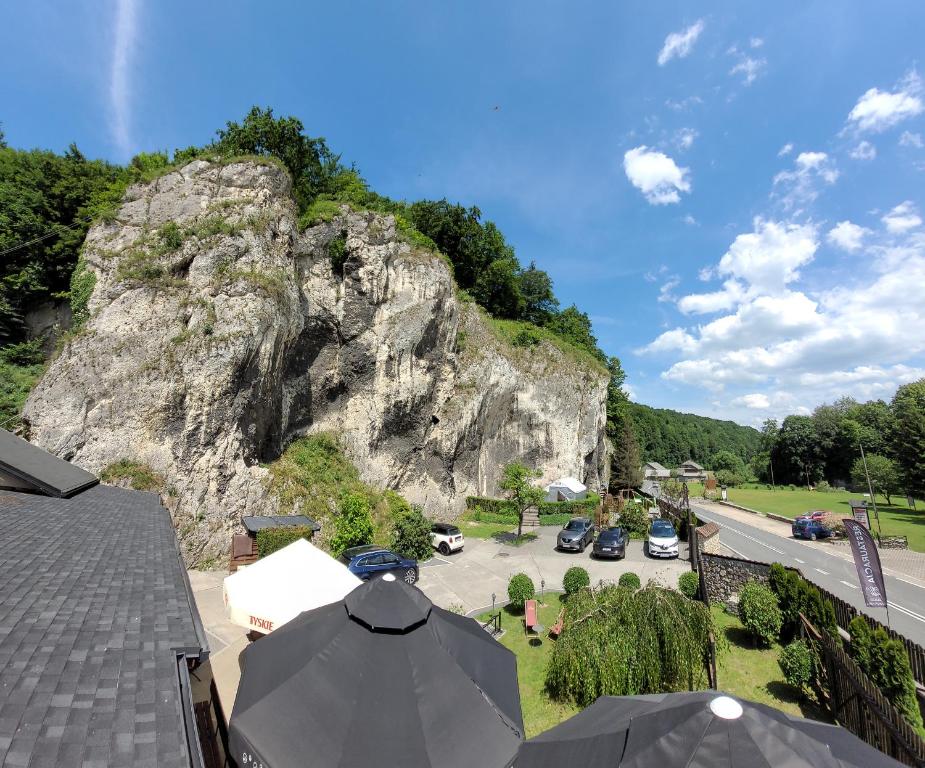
[530,620]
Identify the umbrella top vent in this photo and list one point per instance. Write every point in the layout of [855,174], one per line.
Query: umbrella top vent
[388,605]
[726,708]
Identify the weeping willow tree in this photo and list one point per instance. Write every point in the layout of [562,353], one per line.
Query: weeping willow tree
[617,642]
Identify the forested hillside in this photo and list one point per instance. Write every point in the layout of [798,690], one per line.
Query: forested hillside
[671,438]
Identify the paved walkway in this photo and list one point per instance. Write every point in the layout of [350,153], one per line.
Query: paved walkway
[900,562]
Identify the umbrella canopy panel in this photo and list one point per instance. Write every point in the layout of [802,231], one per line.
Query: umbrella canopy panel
[328,689]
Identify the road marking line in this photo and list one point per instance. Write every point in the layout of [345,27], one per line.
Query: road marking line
[801,562]
[906,581]
[731,549]
[913,614]
[750,538]
[819,570]
[849,584]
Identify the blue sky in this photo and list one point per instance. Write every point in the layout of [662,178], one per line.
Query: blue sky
[733,191]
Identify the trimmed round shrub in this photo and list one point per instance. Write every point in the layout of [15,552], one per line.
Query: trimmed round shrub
[520,589]
[629,580]
[689,584]
[575,578]
[759,612]
[796,662]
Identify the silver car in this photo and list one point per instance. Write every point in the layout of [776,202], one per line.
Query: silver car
[577,534]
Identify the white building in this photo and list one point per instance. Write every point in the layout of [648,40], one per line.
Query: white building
[566,489]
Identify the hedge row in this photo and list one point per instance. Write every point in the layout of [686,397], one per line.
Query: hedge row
[580,508]
[485,516]
[269,540]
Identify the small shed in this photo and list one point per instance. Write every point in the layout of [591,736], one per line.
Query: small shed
[566,489]
[244,545]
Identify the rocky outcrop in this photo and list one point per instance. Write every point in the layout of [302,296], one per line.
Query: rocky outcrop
[218,332]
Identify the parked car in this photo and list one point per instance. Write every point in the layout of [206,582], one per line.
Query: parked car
[662,540]
[446,538]
[817,514]
[611,542]
[806,528]
[369,561]
[577,534]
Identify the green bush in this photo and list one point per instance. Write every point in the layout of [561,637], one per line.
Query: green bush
[411,537]
[585,507]
[353,525]
[575,578]
[796,662]
[137,475]
[25,353]
[269,540]
[520,589]
[634,518]
[689,584]
[795,595]
[759,612]
[526,337]
[629,580]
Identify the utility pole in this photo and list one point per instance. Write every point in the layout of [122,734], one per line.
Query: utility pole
[873,498]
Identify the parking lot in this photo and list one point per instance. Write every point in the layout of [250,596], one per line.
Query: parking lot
[467,579]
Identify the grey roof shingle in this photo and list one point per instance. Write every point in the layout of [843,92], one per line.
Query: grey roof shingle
[93,605]
[40,469]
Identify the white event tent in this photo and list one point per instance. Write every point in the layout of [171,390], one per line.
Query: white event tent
[277,588]
[566,489]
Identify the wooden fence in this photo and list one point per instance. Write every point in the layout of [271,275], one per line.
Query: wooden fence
[858,704]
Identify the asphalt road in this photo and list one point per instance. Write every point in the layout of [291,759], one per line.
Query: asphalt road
[906,598]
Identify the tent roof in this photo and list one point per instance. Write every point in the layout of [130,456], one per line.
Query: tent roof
[327,690]
[277,588]
[40,469]
[254,524]
[573,484]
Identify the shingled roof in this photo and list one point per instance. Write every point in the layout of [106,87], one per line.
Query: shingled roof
[32,467]
[96,623]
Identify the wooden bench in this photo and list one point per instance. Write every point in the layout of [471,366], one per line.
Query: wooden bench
[556,629]
[531,624]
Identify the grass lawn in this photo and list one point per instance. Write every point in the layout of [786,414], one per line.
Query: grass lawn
[753,673]
[540,712]
[896,519]
[479,530]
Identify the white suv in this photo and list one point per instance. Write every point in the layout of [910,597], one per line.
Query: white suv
[446,538]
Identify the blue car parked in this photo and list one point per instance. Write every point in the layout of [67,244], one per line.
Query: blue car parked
[369,561]
[806,528]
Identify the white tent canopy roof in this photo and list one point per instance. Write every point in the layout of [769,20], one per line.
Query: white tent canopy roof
[277,588]
[574,485]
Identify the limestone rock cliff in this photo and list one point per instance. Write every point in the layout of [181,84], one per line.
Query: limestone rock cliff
[218,331]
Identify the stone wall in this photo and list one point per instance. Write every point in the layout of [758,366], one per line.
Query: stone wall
[725,576]
[894,542]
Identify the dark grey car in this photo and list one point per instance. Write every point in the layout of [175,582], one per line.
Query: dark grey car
[577,534]
[611,542]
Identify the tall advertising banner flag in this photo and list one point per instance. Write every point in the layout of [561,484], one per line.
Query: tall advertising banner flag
[867,562]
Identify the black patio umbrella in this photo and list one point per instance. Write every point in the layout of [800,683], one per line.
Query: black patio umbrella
[702,729]
[383,677]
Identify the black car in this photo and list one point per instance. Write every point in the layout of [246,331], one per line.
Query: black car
[370,561]
[577,534]
[611,542]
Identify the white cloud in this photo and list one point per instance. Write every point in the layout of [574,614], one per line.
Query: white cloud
[864,151]
[878,110]
[690,220]
[909,139]
[801,185]
[665,291]
[785,150]
[684,104]
[715,301]
[847,236]
[656,175]
[120,86]
[756,42]
[680,44]
[902,218]
[769,257]
[749,68]
[685,138]
[755,400]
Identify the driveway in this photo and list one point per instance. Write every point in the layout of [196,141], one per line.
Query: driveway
[468,579]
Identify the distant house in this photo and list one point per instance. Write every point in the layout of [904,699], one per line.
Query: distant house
[566,489]
[98,626]
[652,470]
[691,470]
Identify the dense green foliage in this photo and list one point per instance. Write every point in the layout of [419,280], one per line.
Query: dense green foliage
[760,612]
[795,595]
[634,518]
[616,642]
[21,365]
[672,438]
[629,580]
[689,584]
[626,464]
[411,537]
[575,578]
[826,446]
[886,662]
[797,663]
[578,508]
[520,589]
[135,474]
[270,540]
[353,525]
